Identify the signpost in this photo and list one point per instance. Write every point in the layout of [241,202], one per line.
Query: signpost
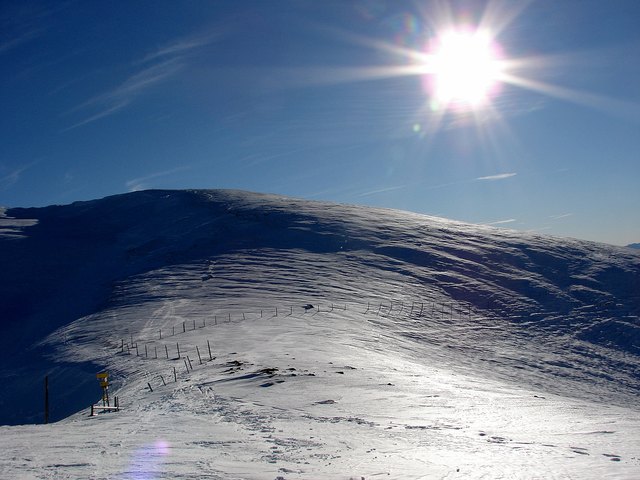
[104,383]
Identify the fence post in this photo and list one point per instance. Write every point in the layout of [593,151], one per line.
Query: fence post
[166,350]
[136,349]
[276,311]
[163,382]
[190,364]
[184,327]
[149,385]
[421,307]
[194,324]
[155,348]
[178,347]
[199,358]
[215,319]
[173,329]
[175,377]
[160,334]
[146,355]
[122,346]
[185,364]
[46,400]
[229,317]
[209,347]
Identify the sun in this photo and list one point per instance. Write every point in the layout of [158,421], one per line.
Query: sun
[463,69]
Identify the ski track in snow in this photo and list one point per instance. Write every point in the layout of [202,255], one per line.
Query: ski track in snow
[393,373]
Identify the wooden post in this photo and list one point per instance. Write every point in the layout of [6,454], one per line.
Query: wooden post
[137,350]
[122,345]
[260,313]
[173,330]
[178,348]
[276,311]
[229,317]
[160,334]
[421,307]
[194,323]
[149,385]
[175,377]
[166,350]
[199,357]
[215,319]
[185,364]
[184,328]
[46,399]
[209,347]
[163,382]
[243,317]
[146,355]
[203,323]
[190,364]
[155,348]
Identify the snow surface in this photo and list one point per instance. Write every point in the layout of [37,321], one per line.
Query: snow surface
[433,349]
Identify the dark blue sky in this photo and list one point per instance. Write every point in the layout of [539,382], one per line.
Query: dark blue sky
[314,99]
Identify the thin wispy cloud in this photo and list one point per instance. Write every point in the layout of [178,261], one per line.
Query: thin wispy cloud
[10,178]
[184,45]
[381,190]
[501,222]
[126,93]
[161,65]
[18,40]
[141,183]
[500,176]
[558,217]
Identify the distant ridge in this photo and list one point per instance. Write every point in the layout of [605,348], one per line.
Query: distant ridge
[634,245]
[96,259]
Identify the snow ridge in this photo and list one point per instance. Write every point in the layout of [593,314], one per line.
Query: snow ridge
[400,306]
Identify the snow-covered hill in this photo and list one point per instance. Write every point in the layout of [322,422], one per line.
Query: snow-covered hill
[428,349]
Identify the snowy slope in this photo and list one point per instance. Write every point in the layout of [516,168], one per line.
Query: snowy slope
[433,349]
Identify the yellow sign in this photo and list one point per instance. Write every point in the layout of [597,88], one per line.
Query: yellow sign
[104,384]
[102,375]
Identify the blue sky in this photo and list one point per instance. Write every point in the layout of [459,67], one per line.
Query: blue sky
[321,100]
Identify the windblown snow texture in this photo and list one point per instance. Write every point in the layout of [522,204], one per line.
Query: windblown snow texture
[556,316]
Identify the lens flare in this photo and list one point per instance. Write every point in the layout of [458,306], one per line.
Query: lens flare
[148,461]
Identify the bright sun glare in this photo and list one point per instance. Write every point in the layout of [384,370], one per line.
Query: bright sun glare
[463,69]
